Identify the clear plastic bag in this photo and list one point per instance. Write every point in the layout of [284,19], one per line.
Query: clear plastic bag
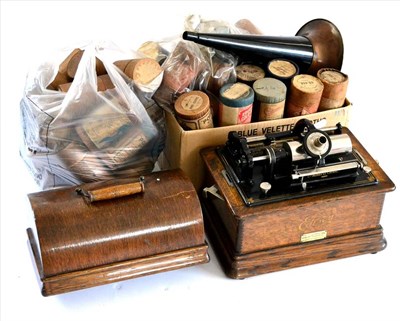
[184,70]
[196,23]
[189,66]
[98,129]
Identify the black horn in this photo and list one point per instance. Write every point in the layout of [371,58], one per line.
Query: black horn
[318,44]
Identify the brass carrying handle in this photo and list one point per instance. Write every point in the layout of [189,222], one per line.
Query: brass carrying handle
[111,192]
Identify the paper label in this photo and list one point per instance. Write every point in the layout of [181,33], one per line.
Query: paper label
[282,68]
[235,115]
[236,91]
[107,132]
[271,111]
[123,153]
[333,77]
[307,83]
[249,72]
[192,102]
[203,122]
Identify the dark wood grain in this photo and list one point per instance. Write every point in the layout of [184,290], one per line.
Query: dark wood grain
[121,271]
[247,230]
[240,266]
[75,235]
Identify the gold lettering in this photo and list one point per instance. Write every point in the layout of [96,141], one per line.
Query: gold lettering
[317,221]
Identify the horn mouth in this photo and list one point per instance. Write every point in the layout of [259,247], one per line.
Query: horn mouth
[187,35]
[327,44]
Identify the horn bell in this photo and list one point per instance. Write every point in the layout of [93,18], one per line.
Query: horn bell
[327,44]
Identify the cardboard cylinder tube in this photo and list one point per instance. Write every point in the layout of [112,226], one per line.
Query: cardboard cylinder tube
[74,63]
[142,71]
[62,75]
[248,74]
[193,110]
[271,95]
[103,83]
[305,95]
[64,87]
[283,70]
[335,88]
[222,73]
[121,64]
[236,104]
[179,79]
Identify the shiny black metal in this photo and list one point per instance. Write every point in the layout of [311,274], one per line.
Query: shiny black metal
[250,161]
[259,48]
[318,44]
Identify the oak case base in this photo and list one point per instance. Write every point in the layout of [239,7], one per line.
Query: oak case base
[240,266]
[116,272]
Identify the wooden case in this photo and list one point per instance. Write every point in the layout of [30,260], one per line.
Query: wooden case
[291,233]
[110,231]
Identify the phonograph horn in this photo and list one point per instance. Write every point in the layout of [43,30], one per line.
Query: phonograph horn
[318,44]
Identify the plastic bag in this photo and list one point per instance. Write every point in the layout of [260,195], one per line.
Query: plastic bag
[184,70]
[222,64]
[189,66]
[98,129]
[159,50]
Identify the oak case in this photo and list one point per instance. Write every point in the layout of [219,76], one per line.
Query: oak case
[291,233]
[100,233]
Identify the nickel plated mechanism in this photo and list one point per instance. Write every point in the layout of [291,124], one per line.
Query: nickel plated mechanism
[300,162]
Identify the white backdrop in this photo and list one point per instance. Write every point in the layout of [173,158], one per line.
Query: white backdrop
[359,288]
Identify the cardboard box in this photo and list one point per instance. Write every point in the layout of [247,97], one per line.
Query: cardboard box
[182,149]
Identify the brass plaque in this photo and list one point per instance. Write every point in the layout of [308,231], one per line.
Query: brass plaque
[308,237]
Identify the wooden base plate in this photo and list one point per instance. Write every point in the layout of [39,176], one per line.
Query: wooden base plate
[118,271]
[240,266]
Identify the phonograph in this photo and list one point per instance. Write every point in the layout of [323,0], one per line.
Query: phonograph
[303,161]
[291,199]
[295,198]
